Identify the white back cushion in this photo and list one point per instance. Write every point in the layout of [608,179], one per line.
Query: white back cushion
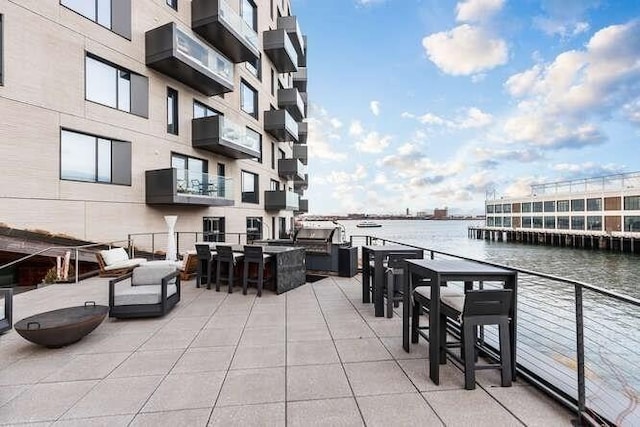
[114,255]
[151,274]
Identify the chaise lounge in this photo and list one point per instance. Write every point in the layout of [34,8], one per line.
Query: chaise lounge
[147,291]
[115,262]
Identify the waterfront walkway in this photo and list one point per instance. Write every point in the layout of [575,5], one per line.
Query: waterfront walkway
[312,356]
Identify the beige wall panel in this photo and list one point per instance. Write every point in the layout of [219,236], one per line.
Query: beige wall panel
[57,217]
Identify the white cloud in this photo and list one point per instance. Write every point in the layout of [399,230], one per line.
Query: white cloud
[375,107]
[520,187]
[465,50]
[586,169]
[431,119]
[407,115]
[632,111]
[337,124]
[545,132]
[475,118]
[373,143]
[471,117]
[556,27]
[322,135]
[477,10]
[356,129]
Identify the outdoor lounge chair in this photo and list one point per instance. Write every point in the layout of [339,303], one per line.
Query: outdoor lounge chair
[115,262]
[6,310]
[147,291]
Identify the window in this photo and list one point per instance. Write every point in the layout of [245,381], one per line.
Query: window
[537,221]
[549,222]
[172,111]
[497,208]
[255,67]
[254,139]
[562,206]
[1,50]
[594,223]
[526,222]
[273,82]
[506,221]
[550,206]
[526,207]
[537,206]
[506,208]
[191,174]
[92,158]
[577,205]
[173,4]
[254,228]
[490,221]
[271,10]
[632,224]
[213,228]
[632,203]
[248,99]
[250,187]
[200,110]
[577,222]
[490,209]
[116,87]
[498,221]
[594,204]
[111,14]
[273,155]
[563,223]
[274,185]
[249,14]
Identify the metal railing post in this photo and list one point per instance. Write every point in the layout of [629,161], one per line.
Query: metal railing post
[580,350]
[77,265]
[153,245]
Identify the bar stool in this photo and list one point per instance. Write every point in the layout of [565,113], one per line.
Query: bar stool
[228,257]
[393,279]
[254,255]
[205,261]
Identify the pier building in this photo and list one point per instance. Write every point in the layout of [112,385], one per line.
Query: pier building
[596,213]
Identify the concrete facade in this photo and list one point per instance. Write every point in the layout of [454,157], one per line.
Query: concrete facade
[44,45]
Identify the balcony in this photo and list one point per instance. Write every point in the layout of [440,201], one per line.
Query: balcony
[280,200]
[303,206]
[290,100]
[292,169]
[305,102]
[280,125]
[299,186]
[300,152]
[225,29]
[302,58]
[303,128]
[220,135]
[291,26]
[300,79]
[278,47]
[182,56]
[182,187]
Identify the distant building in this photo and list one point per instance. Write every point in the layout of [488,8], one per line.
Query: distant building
[440,213]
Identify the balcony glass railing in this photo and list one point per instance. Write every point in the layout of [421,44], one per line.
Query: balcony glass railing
[290,123]
[236,22]
[291,51]
[293,199]
[238,134]
[200,53]
[196,183]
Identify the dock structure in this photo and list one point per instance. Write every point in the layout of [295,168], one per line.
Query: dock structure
[593,213]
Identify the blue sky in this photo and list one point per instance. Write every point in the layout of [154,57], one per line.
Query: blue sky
[429,103]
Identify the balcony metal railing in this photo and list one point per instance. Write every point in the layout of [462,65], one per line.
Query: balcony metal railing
[235,21]
[578,342]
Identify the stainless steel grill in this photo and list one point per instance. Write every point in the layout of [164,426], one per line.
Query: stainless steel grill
[318,240]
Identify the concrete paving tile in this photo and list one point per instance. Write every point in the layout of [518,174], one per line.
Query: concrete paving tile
[8,392]
[360,350]
[44,402]
[169,339]
[204,359]
[531,406]
[394,346]
[317,382]
[451,378]
[479,408]
[87,367]
[267,356]
[118,343]
[183,418]
[370,378]
[217,337]
[186,323]
[30,370]
[263,320]
[260,415]
[386,327]
[306,332]
[350,330]
[117,396]
[141,363]
[327,412]
[242,387]
[311,353]
[397,410]
[111,421]
[262,336]
[227,322]
[185,391]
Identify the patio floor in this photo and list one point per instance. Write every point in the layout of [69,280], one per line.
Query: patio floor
[312,356]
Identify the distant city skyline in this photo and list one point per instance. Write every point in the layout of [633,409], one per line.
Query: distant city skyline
[429,103]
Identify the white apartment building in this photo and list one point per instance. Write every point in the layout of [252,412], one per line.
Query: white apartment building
[115,113]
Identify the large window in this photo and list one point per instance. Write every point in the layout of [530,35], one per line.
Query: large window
[254,228]
[112,14]
[200,110]
[490,209]
[594,204]
[550,222]
[191,174]
[577,205]
[250,187]
[116,87]
[173,4]
[172,111]
[537,221]
[497,208]
[213,228]
[563,223]
[549,206]
[526,207]
[506,208]
[255,67]
[526,222]
[632,224]
[562,206]
[249,99]
[93,158]
[537,206]
[632,203]
[594,223]
[577,223]
[249,14]
[506,221]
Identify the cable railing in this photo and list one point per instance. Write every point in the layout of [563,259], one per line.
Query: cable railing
[156,243]
[578,342]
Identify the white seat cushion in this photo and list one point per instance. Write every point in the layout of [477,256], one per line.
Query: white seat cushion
[115,255]
[456,302]
[129,263]
[144,295]
[425,291]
